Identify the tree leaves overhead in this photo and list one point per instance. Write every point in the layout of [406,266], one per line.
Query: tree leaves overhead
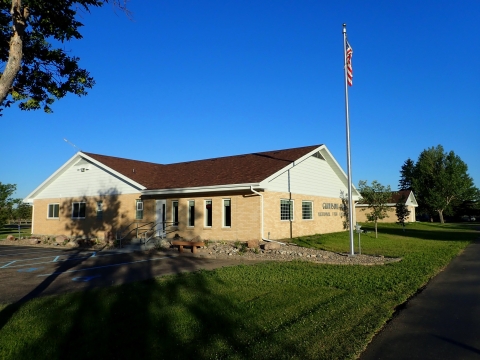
[46,73]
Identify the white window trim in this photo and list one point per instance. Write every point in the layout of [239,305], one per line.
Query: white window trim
[173,214]
[189,214]
[223,213]
[311,214]
[292,215]
[48,211]
[79,202]
[139,207]
[205,217]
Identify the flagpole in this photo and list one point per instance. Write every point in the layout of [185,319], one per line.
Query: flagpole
[349,166]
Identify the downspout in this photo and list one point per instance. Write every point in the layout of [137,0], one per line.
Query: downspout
[261,213]
[33,218]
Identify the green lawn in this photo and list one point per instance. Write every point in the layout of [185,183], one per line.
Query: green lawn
[293,310]
[13,230]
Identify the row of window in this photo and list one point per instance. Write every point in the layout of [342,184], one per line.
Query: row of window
[286,210]
[208,213]
[78,210]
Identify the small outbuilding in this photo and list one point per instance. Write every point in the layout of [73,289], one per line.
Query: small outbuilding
[397,196]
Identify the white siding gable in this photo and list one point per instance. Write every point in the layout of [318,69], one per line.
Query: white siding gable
[85,178]
[312,176]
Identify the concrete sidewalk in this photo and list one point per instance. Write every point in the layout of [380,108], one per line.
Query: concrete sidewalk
[442,322]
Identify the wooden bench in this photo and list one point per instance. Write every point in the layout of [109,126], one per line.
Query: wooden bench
[181,244]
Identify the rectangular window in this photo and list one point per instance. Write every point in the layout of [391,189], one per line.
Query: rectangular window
[208,213]
[53,211]
[139,208]
[191,213]
[286,209]
[227,213]
[99,210]
[78,210]
[175,213]
[307,210]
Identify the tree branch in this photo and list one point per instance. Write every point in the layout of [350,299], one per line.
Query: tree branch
[19,20]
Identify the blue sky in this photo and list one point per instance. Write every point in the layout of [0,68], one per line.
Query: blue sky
[188,80]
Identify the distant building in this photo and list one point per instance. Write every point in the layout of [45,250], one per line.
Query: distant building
[274,194]
[406,195]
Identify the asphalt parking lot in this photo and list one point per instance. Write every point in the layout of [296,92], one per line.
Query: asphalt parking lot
[29,272]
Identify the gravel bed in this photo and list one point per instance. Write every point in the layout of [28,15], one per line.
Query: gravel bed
[229,250]
[288,252]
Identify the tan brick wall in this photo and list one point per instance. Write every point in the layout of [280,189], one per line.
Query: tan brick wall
[330,220]
[118,212]
[245,217]
[392,217]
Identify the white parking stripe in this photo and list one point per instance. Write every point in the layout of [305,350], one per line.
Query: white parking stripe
[30,252]
[57,260]
[105,266]
[4,266]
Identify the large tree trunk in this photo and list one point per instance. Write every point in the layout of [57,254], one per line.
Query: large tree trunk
[440,214]
[19,18]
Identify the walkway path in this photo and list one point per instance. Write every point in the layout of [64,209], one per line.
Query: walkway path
[442,322]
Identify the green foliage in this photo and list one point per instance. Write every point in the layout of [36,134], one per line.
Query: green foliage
[272,310]
[22,211]
[6,202]
[46,73]
[407,175]
[345,211]
[402,212]
[376,196]
[441,181]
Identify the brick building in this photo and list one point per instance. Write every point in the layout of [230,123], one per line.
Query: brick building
[270,195]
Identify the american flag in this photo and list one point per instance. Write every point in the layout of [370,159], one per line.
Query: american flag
[348,60]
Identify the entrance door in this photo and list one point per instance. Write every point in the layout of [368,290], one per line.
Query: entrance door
[160,209]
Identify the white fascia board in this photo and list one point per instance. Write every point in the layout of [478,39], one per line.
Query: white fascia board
[30,197]
[290,166]
[202,189]
[412,201]
[117,174]
[330,160]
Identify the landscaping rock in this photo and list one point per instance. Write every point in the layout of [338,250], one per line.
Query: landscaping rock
[271,246]
[163,244]
[11,238]
[196,239]
[253,244]
[73,244]
[34,241]
[60,239]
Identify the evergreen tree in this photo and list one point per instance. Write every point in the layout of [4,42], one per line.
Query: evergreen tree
[406,175]
[402,212]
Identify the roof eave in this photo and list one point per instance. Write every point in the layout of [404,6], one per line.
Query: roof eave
[203,189]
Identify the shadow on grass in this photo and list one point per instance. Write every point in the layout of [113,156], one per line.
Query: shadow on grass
[447,232]
[180,317]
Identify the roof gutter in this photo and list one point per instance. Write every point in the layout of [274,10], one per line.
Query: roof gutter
[201,189]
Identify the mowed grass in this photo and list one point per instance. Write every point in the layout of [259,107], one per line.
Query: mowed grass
[276,310]
[25,231]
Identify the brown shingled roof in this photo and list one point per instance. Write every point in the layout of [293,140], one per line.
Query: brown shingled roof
[239,169]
